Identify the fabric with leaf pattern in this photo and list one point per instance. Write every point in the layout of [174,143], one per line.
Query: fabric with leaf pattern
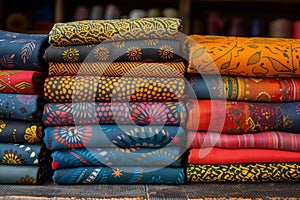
[238,117]
[119,175]
[22,51]
[253,172]
[96,31]
[124,136]
[242,88]
[141,113]
[242,56]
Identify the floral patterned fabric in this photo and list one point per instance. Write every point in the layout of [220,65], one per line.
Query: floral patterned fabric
[241,88]
[148,50]
[124,69]
[17,131]
[253,172]
[96,31]
[21,81]
[20,106]
[119,175]
[230,156]
[67,89]
[126,136]
[262,140]
[22,51]
[238,117]
[151,157]
[142,113]
[242,56]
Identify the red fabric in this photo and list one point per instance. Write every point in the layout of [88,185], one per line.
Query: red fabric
[230,156]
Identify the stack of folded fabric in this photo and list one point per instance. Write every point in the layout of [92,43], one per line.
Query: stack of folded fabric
[22,75]
[127,76]
[243,125]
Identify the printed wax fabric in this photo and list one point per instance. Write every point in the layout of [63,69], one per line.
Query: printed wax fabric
[22,51]
[119,175]
[229,156]
[25,107]
[22,81]
[241,88]
[243,56]
[242,117]
[142,113]
[253,172]
[21,154]
[23,174]
[68,89]
[96,31]
[262,140]
[18,131]
[96,136]
[148,50]
[131,69]
[151,157]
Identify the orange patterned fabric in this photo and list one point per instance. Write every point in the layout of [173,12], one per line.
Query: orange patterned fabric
[260,57]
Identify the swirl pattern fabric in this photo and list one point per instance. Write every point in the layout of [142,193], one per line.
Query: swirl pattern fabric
[230,156]
[151,157]
[96,31]
[67,89]
[148,50]
[17,131]
[253,172]
[128,69]
[262,140]
[21,81]
[120,175]
[242,117]
[126,136]
[241,88]
[242,56]
[142,113]
[21,154]
[20,106]
[22,51]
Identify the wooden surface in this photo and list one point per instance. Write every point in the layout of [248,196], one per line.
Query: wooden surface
[207,191]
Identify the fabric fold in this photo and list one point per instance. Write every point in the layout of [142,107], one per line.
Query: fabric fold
[96,31]
[119,175]
[68,89]
[141,113]
[105,136]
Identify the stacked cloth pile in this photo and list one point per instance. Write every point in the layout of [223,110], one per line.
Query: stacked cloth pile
[114,111]
[244,124]
[22,74]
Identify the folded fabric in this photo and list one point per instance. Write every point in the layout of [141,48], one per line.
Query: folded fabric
[144,157]
[23,174]
[96,136]
[142,113]
[22,81]
[68,89]
[262,172]
[148,50]
[229,156]
[262,140]
[26,107]
[119,175]
[242,88]
[131,69]
[22,51]
[97,31]
[242,117]
[21,154]
[17,131]
[260,57]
